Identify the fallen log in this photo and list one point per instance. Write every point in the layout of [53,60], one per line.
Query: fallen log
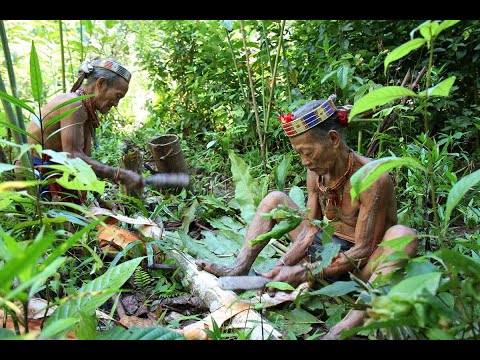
[223,305]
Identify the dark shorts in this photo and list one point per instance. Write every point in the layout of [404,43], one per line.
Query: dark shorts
[316,248]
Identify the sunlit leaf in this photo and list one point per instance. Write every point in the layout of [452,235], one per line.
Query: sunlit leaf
[16,102]
[379,97]
[371,171]
[104,285]
[441,89]
[402,51]
[458,191]
[35,75]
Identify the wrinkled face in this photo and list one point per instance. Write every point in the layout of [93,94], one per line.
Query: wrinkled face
[317,156]
[106,96]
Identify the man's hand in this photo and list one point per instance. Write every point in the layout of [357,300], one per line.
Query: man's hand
[131,179]
[293,275]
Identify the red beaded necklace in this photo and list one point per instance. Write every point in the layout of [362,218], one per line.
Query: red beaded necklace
[333,200]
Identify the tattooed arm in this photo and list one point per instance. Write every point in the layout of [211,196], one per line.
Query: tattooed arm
[369,229]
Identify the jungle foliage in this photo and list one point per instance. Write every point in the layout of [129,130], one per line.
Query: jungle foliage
[220,86]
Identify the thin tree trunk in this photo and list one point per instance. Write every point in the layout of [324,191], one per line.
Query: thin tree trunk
[62,51]
[18,120]
[252,89]
[81,41]
[25,159]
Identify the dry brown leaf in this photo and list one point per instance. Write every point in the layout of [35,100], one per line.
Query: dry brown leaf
[113,238]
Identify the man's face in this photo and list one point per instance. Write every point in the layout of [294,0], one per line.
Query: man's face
[316,155]
[109,96]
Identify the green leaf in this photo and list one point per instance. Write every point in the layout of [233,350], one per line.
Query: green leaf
[106,284]
[21,265]
[88,26]
[16,102]
[444,25]
[7,167]
[5,334]
[398,243]
[458,191]
[441,89]
[330,251]
[414,287]
[298,197]
[77,174]
[227,24]
[143,333]
[338,288]
[57,327]
[342,76]
[61,116]
[85,328]
[370,172]
[281,171]
[280,285]
[379,325]
[379,97]
[439,334]
[460,262]
[246,188]
[35,75]
[17,129]
[401,51]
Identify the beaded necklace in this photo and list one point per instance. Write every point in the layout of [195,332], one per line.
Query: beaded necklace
[92,114]
[333,200]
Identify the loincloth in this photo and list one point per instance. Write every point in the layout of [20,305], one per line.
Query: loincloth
[314,253]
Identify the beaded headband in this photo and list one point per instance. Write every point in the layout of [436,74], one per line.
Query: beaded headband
[293,127]
[113,66]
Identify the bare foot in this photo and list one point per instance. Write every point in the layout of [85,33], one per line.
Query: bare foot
[220,269]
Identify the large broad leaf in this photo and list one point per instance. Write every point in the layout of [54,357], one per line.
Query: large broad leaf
[35,75]
[461,262]
[84,178]
[23,263]
[379,97]
[246,188]
[342,76]
[106,284]
[458,191]
[298,197]
[338,288]
[414,287]
[368,173]
[281,171]
[57,327]
[7,167]
[329,252]
[143,333]
[441,89]
[398,243]
[401,51]
[444,25]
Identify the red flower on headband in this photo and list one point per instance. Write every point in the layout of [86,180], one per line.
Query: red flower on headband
[286,118]
[342,118]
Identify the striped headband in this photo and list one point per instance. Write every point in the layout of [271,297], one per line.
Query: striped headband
[293,127]
[113,66]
